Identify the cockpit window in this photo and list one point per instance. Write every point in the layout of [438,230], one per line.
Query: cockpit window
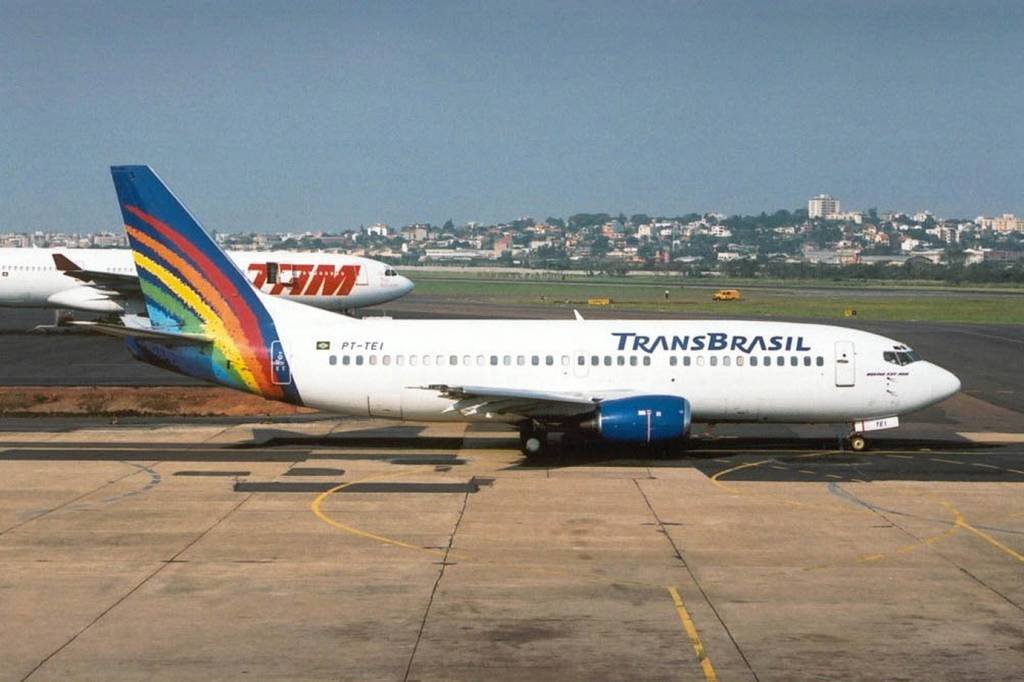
[390,273]
[901,357]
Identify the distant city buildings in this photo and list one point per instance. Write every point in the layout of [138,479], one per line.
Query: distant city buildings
[1004,224]
[822,205]
[701,243]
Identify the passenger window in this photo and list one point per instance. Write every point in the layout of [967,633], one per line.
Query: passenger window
[467,360]
[727,360]
[780,361]
[594,360]
[412,360]
[565,361]
[686,361]
[453,360]
[549,360]
[507,360]
[580,360]
[739,360]
[820,361]
[767,361]
[793,360]
[647,360]
[386,359]
[333,359]
[426,361]
[345,359]
[535,360]
[520,360]
[632,361]
[807,361]
[607,361]
[373,359]
[494,360]
[753,361]
[439,360]
[399,360]
[714,360]
[672,360]
[480,361]
[700,360]
[359,359]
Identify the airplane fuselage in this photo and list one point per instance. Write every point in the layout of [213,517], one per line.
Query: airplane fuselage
[745,371]
[30,279]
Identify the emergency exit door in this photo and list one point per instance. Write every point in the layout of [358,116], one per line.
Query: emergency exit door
[846,365]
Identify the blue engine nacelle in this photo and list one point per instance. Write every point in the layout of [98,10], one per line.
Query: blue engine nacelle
[643,419]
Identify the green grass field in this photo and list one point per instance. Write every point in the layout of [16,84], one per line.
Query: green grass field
[773,300]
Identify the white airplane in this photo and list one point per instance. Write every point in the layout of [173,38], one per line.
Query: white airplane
[636,381]
[105,281]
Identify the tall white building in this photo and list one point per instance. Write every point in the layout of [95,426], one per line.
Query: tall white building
[822,205]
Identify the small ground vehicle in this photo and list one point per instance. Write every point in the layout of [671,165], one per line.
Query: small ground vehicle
[726,295]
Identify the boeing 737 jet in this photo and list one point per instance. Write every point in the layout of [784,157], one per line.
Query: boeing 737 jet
[635,381]
[105,280]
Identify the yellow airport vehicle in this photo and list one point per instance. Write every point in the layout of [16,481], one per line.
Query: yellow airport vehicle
[599,301]
[726,295]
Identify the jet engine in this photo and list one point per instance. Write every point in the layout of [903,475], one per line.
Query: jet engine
[643,419]
[85,298]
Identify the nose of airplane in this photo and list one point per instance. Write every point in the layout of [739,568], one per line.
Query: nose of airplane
[944,383]
[405,285]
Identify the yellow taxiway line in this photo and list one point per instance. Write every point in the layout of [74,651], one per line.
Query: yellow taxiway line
[691,632]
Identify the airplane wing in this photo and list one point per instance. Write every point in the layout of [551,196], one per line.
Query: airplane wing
[543,405]
[111,283]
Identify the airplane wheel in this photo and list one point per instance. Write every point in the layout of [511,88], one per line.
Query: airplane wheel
[533,443]
[857,443]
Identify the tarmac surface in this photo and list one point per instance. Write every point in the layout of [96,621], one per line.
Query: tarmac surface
[322,548]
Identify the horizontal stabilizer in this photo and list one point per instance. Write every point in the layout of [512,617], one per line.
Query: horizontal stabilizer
[143,333]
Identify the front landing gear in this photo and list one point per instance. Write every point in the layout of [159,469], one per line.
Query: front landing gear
[857,442]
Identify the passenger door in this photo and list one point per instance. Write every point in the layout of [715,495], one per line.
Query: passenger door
[846,366]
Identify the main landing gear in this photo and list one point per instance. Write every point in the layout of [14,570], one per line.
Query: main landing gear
[532,441]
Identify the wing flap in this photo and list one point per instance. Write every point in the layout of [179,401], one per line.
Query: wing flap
[553,405]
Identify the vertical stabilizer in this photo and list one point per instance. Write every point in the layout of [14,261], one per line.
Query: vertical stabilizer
[191,286]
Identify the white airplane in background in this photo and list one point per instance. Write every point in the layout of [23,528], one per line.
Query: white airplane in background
[105,280]
[630,381]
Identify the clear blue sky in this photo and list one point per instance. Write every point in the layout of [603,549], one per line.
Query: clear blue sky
[285,115]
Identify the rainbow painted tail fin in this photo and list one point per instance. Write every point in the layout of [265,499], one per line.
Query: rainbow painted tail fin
[191,286]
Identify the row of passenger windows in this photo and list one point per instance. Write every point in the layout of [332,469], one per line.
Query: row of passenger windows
[53,268]
[466,360]
[753,360]
[582,360]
